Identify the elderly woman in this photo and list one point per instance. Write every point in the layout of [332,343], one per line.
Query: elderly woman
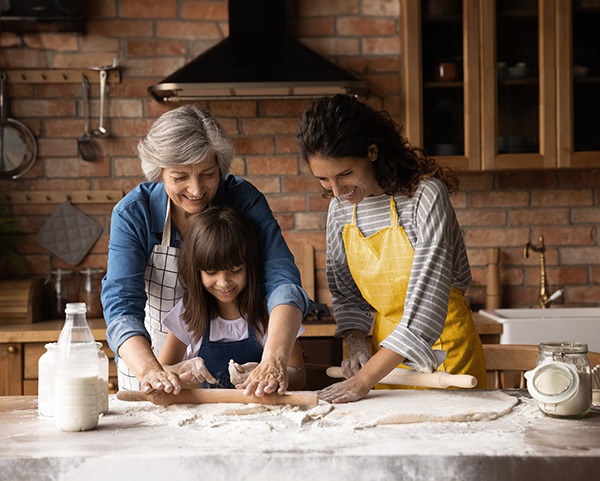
[186,159]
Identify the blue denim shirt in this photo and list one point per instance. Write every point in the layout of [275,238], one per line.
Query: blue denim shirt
[137,224]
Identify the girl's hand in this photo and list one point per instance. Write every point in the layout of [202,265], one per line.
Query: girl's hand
[343,392]
[192,371]
[238,373]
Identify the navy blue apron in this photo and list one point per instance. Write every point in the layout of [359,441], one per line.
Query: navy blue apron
[216,356]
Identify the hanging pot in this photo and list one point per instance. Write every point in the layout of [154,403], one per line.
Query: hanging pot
[18,148]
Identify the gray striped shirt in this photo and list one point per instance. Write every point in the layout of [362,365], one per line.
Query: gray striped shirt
[440,261]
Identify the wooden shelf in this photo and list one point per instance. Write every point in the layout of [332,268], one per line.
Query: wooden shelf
[58,197]
[36,76]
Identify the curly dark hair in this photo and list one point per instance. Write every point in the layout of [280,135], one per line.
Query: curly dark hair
[342,126]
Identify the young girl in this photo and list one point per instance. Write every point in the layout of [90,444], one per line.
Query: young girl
[219,328]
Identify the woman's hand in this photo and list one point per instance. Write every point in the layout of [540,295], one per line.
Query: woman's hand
[358,353]
[238,373]
[343,392]
[160,380]
[268,377]
[192,371]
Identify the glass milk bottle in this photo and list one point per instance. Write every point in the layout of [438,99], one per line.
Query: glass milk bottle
[76,373]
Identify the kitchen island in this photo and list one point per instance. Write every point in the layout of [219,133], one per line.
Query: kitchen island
[148,442]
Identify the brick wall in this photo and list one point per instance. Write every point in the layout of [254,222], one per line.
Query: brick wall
[152,39]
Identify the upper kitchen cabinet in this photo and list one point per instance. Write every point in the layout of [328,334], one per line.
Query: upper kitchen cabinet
[490,84]
[578,82]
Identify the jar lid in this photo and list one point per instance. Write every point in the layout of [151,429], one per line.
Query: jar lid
[552,383]
[76,308]
[564,347]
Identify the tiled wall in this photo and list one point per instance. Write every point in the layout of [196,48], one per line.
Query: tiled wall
[152,39]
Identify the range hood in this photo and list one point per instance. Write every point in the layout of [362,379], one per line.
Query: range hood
[257,60]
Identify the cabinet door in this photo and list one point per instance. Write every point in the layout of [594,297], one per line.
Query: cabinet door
[518,84]
[441,81]
[578,82]
[11,365]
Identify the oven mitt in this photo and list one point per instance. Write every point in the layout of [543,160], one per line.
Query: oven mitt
[69,233]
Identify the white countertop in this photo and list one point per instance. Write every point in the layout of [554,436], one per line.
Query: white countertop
[142,441]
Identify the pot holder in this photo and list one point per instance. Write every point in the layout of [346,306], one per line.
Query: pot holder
[69,233]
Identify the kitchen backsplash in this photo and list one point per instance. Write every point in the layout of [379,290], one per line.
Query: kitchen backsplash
[152,39]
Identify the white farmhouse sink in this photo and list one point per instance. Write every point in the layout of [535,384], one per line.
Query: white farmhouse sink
[532,326]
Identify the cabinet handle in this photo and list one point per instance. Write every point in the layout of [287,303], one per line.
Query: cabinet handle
[12,349]
[112,387]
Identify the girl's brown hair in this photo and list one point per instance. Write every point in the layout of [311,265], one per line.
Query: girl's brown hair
[220,238]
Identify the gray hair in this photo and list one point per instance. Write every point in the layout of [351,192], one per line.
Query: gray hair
[186,135]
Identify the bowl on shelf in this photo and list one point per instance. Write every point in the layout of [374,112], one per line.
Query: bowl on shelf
[444,149]
[512,144]
[516,72]
[580,71]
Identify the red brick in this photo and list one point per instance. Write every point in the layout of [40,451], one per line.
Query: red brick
[272,165]
[302,183]
[148,8]
[309,221]
[538,216]
[499,199]
[527,180]
[585,215]
[580,255]
[262,126]
[151,48]
[472,217]
[567,235]
[561,197]
[51,41]
[21,58]
[366,26]
[381,46]
[254,145]
[118,28]
[83,60]
[267,185]
[310,8]
[584,295]
[287,203]
[203,10]
[189,30]
[233,108]
[495,237]
[377,7]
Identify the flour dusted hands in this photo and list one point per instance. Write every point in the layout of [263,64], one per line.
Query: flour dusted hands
[192,371]
[268,377]
[358,352]
[238,373]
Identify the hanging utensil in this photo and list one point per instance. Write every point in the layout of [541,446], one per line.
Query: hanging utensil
[101,131]
[85,143]
[18,148]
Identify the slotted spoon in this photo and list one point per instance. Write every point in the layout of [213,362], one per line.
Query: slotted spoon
[85,143]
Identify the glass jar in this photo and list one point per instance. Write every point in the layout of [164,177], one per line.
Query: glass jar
[46,381]
[46,368]
[89,290]
[561,383]
[63,288]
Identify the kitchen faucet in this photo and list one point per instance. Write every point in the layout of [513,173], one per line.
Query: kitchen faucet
[543,299]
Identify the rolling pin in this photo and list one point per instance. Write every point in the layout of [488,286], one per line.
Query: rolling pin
[206,396]
[409,377]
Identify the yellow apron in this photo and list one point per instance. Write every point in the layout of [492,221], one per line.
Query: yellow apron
[380,265]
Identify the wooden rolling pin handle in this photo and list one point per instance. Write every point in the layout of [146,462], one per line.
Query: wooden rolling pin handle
[409,377]
[206,396]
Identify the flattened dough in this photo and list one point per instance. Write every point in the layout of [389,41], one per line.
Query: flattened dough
[415,406]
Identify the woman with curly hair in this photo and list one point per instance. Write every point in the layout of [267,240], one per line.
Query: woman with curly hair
[393,246]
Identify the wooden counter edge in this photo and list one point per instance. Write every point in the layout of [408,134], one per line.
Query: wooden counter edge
[48,331]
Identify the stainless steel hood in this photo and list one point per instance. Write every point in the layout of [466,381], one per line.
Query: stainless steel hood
[257,60]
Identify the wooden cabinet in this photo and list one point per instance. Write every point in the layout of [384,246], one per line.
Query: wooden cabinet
[491,84]
[21,347]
